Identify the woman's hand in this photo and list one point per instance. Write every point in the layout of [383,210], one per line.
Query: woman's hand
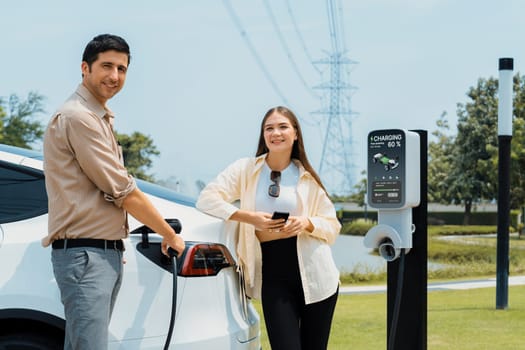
[294,226]
[262,221]
[268,229]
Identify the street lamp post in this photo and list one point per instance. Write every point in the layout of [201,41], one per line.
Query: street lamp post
[506,66]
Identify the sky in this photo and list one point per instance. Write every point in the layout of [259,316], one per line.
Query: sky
[204,72]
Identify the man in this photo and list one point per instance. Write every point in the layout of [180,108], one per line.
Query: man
[90,193]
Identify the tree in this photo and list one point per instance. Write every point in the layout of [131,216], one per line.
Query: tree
[137,150]
[472,171]
[464,169]
[517,176]
[17,126]
[440,153]
[358,196]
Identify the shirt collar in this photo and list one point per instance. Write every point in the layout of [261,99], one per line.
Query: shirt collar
[91,102]
[259,162]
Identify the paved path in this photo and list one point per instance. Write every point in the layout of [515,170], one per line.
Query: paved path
[456,285]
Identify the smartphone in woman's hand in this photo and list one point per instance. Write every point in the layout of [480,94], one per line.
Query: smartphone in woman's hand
[280,215]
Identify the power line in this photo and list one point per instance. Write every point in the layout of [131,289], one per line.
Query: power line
[253,51]
[341,26]
[300,37]
[286,49]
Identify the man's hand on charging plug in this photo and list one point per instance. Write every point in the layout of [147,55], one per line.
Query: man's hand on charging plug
[173,241]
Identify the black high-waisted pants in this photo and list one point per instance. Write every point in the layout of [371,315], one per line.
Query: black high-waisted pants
[290,324]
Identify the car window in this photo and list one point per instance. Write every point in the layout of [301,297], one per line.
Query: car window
[22,192]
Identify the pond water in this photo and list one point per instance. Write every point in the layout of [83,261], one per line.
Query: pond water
[350,254]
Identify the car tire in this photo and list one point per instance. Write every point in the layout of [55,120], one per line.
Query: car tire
[25,340]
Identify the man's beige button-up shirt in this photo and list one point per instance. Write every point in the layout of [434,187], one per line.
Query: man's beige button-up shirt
[86,180]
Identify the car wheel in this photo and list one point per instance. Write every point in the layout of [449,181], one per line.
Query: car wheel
[30,341]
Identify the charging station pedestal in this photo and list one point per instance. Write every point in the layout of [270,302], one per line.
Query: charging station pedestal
[397,187]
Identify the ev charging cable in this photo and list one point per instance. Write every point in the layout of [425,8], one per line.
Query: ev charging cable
[397,304]
[173,257]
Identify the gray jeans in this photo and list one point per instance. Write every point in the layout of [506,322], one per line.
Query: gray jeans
[89,280]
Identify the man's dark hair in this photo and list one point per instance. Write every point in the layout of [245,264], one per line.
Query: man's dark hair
[103,43]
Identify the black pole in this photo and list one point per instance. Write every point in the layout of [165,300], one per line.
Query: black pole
[502,262]
[506,66]
[411,325]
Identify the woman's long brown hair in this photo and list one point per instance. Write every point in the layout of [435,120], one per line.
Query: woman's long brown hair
[298,151]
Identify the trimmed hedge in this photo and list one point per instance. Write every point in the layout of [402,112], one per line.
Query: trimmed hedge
[436,218]
[357,227]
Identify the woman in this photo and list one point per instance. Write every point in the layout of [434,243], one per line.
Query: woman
[286,263]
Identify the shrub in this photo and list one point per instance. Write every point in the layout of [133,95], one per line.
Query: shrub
[357,227]
[459,230]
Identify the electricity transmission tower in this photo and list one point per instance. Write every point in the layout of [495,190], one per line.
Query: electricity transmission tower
[336,169]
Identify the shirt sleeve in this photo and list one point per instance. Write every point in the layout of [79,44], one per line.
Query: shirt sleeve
[322,214]
[97,154]
[217,197]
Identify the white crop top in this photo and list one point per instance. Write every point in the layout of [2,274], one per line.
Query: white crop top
[287,200]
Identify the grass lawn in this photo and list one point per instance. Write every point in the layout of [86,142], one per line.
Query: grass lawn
[456,320]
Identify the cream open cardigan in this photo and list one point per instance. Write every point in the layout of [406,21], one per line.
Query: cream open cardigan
[238,182]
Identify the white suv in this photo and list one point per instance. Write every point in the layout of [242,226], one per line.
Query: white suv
[211,309]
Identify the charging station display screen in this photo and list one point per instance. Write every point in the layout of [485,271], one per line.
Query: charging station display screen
[386,168]
[386,192]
